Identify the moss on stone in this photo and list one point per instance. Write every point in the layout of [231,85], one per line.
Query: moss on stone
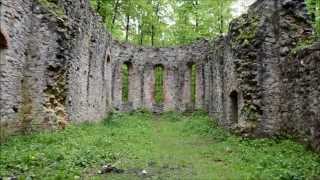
[54,107]
[4,132]
[302,44]
[246,30]
[250,112]
[53,7]
[25,112]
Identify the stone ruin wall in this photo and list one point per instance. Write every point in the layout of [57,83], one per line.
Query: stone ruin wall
[176,63]
[54,69]
[61,65]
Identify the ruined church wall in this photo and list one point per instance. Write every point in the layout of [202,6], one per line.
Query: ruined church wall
[301,86]
[176,63]
[55,67]
[15,20]
[89,84]
[278,88]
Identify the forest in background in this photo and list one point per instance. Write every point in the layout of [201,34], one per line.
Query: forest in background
[162,23]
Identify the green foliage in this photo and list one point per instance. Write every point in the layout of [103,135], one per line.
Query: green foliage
[250,112]
[170,146]
[125,83]
[25,112]
[314,11]
[302,44]
[158,89]
[164,22]
[247,30]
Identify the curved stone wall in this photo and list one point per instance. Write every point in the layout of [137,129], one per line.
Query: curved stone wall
[177,80]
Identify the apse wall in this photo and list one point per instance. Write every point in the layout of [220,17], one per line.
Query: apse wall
[176,63]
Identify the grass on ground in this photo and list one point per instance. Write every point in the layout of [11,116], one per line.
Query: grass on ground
[170,146]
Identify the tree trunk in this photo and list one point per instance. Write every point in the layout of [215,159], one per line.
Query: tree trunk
[221,18]
[127,27]
[115,13]
[153,33]
[195,5]
[141,34]
[317,18]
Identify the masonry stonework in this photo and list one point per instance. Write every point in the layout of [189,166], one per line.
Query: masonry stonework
[59,65]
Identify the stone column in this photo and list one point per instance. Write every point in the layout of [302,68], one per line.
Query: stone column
[116,86]
[149,83]
[186,88]
[134,86]
[170,88]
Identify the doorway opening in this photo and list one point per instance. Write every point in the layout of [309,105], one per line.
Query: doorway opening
[126,68]
[159,83]
[234,106]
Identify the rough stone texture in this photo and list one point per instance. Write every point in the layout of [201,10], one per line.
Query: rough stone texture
[259,66]
[15,19]
[54,69]
[300,97]
[58,64]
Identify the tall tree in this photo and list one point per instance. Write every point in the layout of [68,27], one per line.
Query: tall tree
[116,6]
[164,22]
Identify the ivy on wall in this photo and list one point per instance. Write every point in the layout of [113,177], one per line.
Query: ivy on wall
[314,11]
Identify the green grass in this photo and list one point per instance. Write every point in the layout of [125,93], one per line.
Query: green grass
[159,76]
[314,11]
[170,146]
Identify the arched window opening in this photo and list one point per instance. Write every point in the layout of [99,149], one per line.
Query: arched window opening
[3,41]
[126,68]
[159,90]
[234,106]
[193,82]
[108,59]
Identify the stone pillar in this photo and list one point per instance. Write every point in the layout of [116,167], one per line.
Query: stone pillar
[200,88]
[170,88]
[134,86]
[186,88]
[149,83]
[116,86]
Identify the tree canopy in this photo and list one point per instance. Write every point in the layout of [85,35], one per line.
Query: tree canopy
[164,22]
[171,22]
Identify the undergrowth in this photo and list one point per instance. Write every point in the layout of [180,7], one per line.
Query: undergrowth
[168,146]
